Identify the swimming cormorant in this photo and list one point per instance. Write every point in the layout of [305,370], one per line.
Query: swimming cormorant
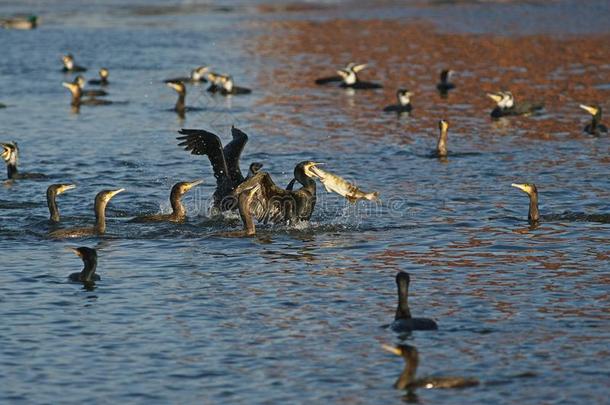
[103,80]
[180,88]
[354,67]
[77,99]
[533,215]
[261,199]
[197,76]
[178,211]
[52,192]
[403,322]
[595,127]
[101,200]
[87,274]
[350,80]
[10,155]
[69,66]
[404,102]
[445,84]
[225,161]
[407,379]
[80,81]
[506,105]
[441,146]
[224,85]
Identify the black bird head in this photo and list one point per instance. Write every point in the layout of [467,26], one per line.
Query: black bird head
[178,86]
[85,253]
[57,189]
[255,167]
[181,188]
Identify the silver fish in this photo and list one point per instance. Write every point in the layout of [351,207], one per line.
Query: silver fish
[334,183]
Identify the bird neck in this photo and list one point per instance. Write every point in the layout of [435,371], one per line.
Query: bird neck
[407,377]
[11,170]
[180,104]
[441,146]
[595,121]
[402,310]
[52,203]
[178,210]
[100,217]
[89,269]
[533,215]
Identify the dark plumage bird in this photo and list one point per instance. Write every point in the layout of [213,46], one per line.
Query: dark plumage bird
[403,321]
[533,215]
[506,105]
[261,199]
[197,76]
[354,67]
[351,80]
[70,66]
[404,102]
[225,161]
[224,84]
[77,94]
[99,207]
[408,380]
[178,213]
[80,81]
[10,155]
[52,192]
[180,106]
[87,274]
[595,127]
[444,85]
[103,80]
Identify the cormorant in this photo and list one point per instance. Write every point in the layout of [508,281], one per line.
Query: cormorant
[404,102]
[353,67]
[180,88]
[533,215]
[52,192]
[407,379]
[441,146]
[178,211]
[10,154]
[20,23]
[595,127]
[445,84]
[350,80]
[77,94]
[506,105]
[80,81]
[197,76]
[225,161]
[69,65]
[103,80]
[87,274]
[254,168]
[261,199]
[403,322]
[99,207]
[224,85]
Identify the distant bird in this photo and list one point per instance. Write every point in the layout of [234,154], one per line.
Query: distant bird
[80,81]
[20,23]
[506,105]
[10,155]
[87,274]
[77,100]
[103,80]
[533,215]
[404,102]
[403,321]
[354,67]
[178,213]
[351,80]
[595,127]
[197,76]
[444,85]
[70,66]
[223,84]
[441,145]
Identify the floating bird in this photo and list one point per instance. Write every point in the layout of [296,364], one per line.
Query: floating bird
[403,322]
[407,379]
[225,161]
[99,207]
[533,215]
[77,99]
[80,81]
[506,105]
[595,127]
[70,66]
[445,84]
[261,199]
[441,146]
[336,184]
[354,67]
[87,274]
[350,80]
[224,85]
[52,192]
[404,102]
[103,80]
[180,88]
[178,211]
[197,76]
[10,155]
[20,23]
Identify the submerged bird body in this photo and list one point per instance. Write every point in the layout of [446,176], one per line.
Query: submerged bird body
[533,215]
[404,102]
[70,66]
[444,85]
[80,81]
[407,379]
[178,213]
[225,161]
[350,80]
[403,321]
[261,199]
[10,155]
[354,67]
[77,93]
[52,192]
[101,200]
[224,85]
[506,105]
[87,274]
[103,80]
[336,184]
[595,127]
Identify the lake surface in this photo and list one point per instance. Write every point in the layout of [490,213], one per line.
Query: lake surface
[295,314]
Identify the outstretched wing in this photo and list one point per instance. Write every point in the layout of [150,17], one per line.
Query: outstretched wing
[201,142]
[232,152]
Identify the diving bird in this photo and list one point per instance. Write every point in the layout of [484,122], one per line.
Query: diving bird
[178,213]
[197,76]
[10,155]
[103,80]
[533,215]
[349,79]
[80,81]
[444,85]
[225,85]
[354,67]
[225,161]
[70,66]
[87,274]
[261,199]
[20,23]
[77,99]
[403,321]
[404,102]
[506,105]
[52,192]
[595,127]
[99,207]
[407,379]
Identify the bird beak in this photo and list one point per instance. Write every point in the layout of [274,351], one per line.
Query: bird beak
[67,85]
[521,187]
[310,169]
[194,183]
[115,192]
[589,109]
[65,188]
[75,250]
[391,349]
[495,97]
[5,151]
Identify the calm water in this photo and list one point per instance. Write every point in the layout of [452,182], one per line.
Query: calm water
[294,315]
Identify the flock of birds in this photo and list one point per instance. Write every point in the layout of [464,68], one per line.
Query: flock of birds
[256,196]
